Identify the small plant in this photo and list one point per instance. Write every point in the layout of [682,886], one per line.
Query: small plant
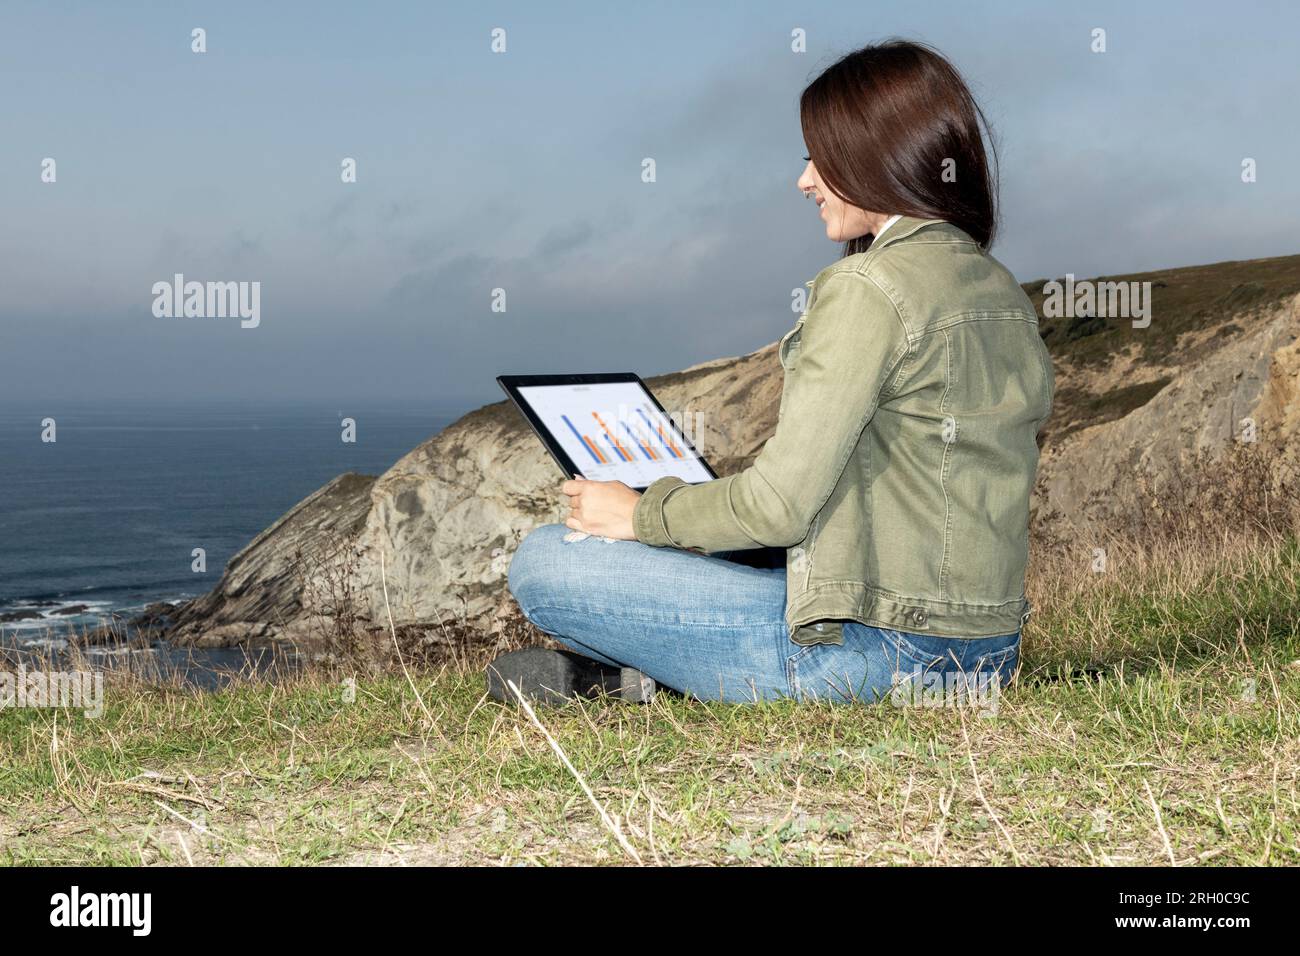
[329,594]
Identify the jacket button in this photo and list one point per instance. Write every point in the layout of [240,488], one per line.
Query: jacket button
[919,616]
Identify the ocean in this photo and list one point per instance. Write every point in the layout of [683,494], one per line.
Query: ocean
[105,518]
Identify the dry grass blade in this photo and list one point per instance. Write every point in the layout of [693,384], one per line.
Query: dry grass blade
[979,791]
[205,803]
[383,576]
[1160,824]
[610,823]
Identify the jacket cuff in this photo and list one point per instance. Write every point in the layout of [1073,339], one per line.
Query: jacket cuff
[648,516]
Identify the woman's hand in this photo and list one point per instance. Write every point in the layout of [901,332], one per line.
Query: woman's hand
[601,507]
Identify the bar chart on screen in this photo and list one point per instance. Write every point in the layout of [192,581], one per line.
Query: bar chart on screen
[613,431]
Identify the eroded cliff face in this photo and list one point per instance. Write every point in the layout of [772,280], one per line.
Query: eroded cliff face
[261,593]
[438,528]
[1246,387]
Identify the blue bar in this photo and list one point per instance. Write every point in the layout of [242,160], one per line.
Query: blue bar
[580,438]
[667,447]
[637,443]
[610,441]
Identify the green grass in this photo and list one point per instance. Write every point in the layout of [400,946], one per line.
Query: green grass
[1180,743]
[1182,300]
[1184,303]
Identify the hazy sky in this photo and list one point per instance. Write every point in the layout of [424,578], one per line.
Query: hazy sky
[522,171]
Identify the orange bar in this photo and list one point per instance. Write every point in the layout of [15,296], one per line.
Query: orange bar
[671,444]
[595,450]
[611,437]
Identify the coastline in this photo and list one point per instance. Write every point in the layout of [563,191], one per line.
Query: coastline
[136,505]
[61,616]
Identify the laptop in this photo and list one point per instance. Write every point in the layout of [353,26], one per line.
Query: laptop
[606,427]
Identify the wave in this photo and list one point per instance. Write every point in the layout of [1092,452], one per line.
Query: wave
[79,595]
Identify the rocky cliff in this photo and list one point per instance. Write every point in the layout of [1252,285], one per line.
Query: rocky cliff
[1220,358]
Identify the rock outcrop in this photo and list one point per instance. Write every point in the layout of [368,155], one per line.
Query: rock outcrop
[1245,389]
[263,588]
[436,531]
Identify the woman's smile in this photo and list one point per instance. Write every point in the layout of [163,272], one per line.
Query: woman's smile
[848,221]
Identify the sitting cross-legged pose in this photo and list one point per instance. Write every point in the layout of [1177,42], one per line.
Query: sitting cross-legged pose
[897,481]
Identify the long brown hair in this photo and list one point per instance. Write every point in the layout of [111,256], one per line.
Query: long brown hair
[893,128]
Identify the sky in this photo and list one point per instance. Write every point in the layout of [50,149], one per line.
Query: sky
[522,171]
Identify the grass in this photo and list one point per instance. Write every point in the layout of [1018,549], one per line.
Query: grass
[1155,720]
[1182,300]
[1193,310]
[1078,408]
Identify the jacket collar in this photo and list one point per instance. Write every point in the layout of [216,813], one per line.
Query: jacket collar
[905,227]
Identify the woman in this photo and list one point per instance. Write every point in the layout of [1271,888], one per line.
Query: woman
[899,475]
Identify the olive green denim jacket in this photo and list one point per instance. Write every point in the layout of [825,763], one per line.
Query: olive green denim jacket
[899,475]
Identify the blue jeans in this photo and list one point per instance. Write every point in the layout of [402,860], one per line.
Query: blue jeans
[715,629]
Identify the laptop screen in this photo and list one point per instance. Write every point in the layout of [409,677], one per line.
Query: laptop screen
[614,431]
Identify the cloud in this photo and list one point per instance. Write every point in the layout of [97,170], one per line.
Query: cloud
[563,239]
[522,173]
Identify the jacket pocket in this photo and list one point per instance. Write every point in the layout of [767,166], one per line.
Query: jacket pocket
[820,632]
[788,349]
[788,354]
